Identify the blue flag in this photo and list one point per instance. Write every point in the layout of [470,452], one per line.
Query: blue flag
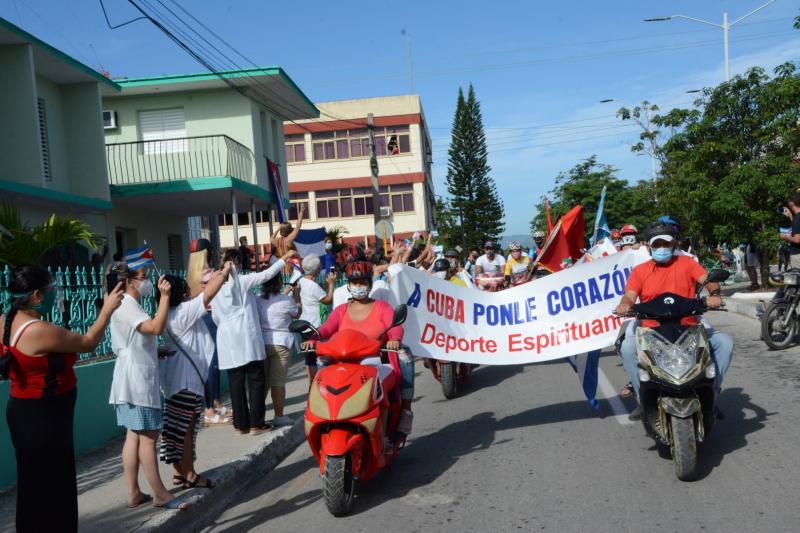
[601,229]
[585,364]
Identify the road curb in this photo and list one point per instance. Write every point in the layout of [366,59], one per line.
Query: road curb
[742,308]
[230,479]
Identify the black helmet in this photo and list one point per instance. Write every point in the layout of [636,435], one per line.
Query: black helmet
[441,265]
[657,228]
[451,253]
[489,244]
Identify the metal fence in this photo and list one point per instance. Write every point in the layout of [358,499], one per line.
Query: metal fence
[179,159]
[83,291]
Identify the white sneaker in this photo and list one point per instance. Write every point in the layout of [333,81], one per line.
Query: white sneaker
[406,419]
[279,421]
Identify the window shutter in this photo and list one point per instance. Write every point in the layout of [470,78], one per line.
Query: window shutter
[163,124]
[40,107]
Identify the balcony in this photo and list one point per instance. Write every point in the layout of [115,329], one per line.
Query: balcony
[185,175]
[185,158]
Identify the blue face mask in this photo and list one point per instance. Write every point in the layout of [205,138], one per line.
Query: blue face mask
[661,255]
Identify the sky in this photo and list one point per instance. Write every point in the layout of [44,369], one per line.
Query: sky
[540,69]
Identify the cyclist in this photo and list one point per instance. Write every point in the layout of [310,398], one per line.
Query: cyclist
[518,266]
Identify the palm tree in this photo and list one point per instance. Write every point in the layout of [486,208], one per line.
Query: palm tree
[22,244]
[335,234]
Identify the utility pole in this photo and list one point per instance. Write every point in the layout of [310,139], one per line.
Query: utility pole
[725,27]
[373,166]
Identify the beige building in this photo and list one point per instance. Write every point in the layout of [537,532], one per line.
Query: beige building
[329,172]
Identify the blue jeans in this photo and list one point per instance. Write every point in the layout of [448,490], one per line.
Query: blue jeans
[406,361]
[721,351]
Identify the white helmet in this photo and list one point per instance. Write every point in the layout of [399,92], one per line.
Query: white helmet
[538,235]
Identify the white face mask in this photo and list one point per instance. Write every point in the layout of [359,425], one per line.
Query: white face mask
[358,292]
[453,264]
[328,245]
[144,287]
[440,275]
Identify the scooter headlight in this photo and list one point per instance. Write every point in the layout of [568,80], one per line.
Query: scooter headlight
[675,359]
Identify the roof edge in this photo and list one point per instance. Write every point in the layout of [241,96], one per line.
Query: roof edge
[58,53]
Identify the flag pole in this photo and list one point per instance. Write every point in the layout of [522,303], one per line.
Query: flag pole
[599,215]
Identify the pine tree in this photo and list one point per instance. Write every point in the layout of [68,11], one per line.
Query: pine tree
[471,188]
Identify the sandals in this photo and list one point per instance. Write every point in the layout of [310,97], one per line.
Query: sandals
[178,480]
[200,482]
[626,391]
[145,498]
[216,419]
[173,504]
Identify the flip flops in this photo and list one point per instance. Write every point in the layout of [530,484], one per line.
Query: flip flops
[173,504]
[145,498]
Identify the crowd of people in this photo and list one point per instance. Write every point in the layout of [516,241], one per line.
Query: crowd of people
[240,324]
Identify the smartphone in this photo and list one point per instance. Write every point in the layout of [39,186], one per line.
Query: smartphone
[412,264]
[332,269]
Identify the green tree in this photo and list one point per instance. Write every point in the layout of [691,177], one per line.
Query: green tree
[734,159]
[22,244]
[583,184]
[447,221]
[471,188]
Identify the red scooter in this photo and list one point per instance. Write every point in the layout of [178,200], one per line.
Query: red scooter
[351,411]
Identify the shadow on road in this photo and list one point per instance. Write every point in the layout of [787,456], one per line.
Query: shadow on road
[550,414]
[731,433]
[426,458]
[279,477]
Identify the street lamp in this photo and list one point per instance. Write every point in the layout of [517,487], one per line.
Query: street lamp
[725,27]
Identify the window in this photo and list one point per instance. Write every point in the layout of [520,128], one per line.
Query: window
[295,148]
[242,219]
[43,139]
[346,144]
[399,197]
[163,124]
[296,199]
[336,203]
[175,252]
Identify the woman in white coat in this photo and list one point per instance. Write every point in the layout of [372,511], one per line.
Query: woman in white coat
[240,346]
[135,388]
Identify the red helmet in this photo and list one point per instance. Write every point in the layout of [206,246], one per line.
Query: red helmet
[615,234]
[359,270]
[628,229]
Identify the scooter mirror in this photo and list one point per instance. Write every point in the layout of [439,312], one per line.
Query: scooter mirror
[717,276]
[299,326]
[400,315]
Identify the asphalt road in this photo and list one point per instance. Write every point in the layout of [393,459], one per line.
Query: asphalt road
[521,450]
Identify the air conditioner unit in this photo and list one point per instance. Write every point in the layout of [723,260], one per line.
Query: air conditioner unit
[109,120]
[386,211]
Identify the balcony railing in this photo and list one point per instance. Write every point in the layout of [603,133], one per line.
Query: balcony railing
[183,158]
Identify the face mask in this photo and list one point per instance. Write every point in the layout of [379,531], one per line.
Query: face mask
[440,275]
[144,287]
[661,255]
[358,292]
[328,245]
[453,264]
[48,299]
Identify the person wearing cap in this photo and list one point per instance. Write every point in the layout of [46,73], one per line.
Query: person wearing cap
[453,267]
[518,266]
[490,262]
[677,228]
[667,272]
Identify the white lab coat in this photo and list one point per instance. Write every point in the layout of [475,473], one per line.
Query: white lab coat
[235,312]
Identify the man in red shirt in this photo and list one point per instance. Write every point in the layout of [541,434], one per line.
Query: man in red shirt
[679,275]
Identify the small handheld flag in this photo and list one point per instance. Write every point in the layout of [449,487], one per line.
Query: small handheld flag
[140,258]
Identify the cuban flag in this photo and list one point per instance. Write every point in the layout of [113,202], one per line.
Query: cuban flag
[274,172]
[585,364]
[140,258]
[310,241]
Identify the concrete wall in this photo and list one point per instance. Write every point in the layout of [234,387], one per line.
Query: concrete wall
[20,155]
[54,110]
[153,228]
[83,134]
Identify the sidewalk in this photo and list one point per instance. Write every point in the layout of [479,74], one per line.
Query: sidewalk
[228,459]
[737,300]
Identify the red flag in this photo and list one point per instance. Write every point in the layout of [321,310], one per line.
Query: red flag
[549,220]
[565,241]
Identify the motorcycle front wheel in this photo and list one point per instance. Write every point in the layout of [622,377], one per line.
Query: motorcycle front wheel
[774,334]
[684,448]
[447,376]
[338,485]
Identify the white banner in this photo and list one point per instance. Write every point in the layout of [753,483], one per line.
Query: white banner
[557,316]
